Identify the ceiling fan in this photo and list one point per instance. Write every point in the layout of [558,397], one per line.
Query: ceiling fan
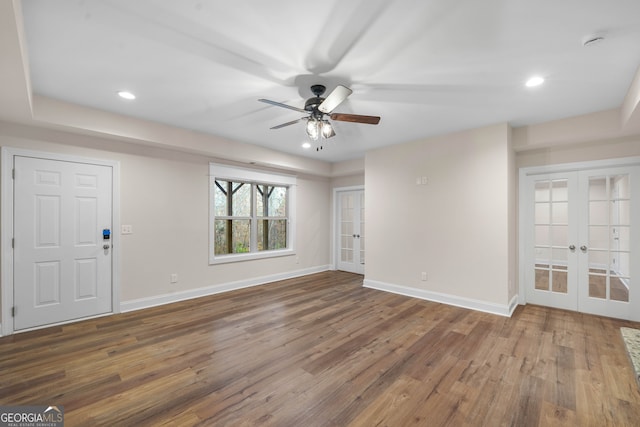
[317,108]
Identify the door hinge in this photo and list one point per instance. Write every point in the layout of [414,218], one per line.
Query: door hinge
[13,243]
[13,311]
[13,173]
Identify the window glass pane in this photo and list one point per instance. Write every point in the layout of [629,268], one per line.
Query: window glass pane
[271,201]
[220,237]
[241,233]
[241,199]
[231,236]
[278,202]
[272,234]
[220,195]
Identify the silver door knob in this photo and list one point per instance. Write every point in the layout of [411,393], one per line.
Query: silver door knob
[105,247]
[572,247]
[583,248]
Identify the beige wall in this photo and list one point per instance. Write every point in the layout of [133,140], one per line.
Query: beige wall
[456,227]
[164,196]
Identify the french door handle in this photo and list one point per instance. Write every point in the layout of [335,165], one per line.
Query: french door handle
[583,248]
[572,247]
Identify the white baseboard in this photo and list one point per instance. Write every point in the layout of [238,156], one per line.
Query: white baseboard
[148,302]
[487,307]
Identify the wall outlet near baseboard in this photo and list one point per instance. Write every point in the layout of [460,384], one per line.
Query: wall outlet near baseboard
[423,276]
[174,278]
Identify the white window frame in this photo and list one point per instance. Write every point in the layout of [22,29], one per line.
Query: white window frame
[239,174]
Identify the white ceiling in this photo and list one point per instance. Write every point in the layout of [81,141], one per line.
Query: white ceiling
[427,67]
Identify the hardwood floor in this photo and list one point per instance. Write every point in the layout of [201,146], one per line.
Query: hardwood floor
[324,351]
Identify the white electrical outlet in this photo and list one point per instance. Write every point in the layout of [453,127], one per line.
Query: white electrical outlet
[174,278]
[423,276]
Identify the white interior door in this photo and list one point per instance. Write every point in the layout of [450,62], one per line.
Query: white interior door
[582,251]
[551,274]
[610,243]
[62,262]
[351,249]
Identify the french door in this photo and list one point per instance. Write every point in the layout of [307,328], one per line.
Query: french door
[582,241]
[350,239]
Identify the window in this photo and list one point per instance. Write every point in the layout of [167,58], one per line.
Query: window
[252,214]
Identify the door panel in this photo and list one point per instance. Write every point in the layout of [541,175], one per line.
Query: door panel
[61,270]
[606,246]
[551,270]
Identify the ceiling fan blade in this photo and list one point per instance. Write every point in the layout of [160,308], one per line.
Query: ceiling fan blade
[335,98]
[355,118]
[279,104]
[292,122]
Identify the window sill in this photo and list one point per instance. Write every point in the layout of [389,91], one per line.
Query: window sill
[225,259]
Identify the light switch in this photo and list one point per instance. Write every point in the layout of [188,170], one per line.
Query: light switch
[127,229]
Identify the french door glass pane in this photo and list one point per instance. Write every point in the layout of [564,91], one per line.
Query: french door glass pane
[542,193]
[598,212]
[559,281]
[599,237]
[620,187]
[542,235]
[559,213]
[620,288]
[542,213]
[609,237]
[560,235]
[559,190]
[542,279]
[620,238]
[598,286]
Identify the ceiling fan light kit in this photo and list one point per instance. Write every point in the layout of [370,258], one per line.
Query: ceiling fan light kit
[317,108]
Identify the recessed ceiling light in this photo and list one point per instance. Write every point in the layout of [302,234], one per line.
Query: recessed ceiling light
[534,81]
[306,145]
[126,95]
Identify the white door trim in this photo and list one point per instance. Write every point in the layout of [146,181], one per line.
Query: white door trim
[7,226]
[523,173]
[334,228]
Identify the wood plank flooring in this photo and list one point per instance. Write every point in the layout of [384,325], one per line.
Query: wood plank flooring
[321,350]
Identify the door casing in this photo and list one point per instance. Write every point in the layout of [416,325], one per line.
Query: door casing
[7,227]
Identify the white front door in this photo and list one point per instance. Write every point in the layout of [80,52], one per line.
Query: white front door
[582,251]
[351,236]
[62,262]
